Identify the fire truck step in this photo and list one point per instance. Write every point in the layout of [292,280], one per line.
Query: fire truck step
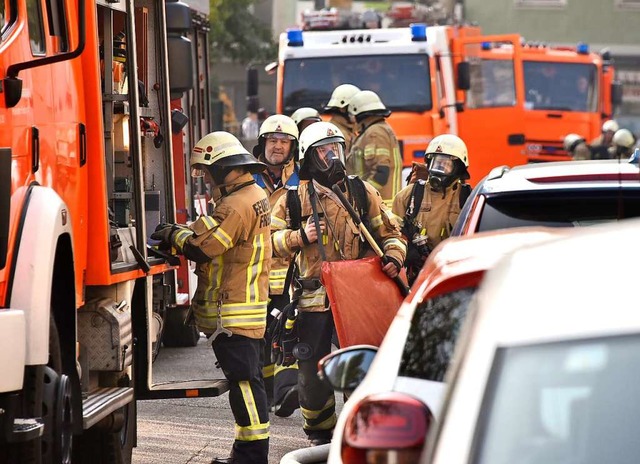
[102,402]
[26,430]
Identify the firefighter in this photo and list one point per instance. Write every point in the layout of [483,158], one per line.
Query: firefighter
[601,144]
[622,145]
[232,249]
[577,147]
[304,117]
[337,109]
[332,239]
[375,154]
[277,148]
[428,209]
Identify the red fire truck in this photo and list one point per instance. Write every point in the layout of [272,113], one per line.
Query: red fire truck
[87,171]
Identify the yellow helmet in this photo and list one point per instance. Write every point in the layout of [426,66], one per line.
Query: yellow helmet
[365,102]
[623,138]
[222,149]
[341,96]
[610,126]
[279,124]
[571,141]
[448,144]
[303,113]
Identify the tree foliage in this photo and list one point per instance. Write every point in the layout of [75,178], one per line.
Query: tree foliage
[239,35]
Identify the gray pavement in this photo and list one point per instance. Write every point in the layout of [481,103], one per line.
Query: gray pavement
[196,430]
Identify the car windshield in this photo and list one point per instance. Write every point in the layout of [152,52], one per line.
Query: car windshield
[560,86]
[559,403]
[401,81]
[434,330]
[558,209]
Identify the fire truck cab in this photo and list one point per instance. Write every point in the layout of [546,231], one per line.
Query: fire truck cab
[411,69]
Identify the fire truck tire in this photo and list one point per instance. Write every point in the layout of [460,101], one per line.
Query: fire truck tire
[47,394]
[176,332]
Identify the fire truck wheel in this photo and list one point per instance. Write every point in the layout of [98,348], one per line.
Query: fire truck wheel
[176,332]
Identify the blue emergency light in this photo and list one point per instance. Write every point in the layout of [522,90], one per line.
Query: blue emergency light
[294,37]
[486,45]
[583,48]
[418,32]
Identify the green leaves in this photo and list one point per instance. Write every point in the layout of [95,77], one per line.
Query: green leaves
[238,35]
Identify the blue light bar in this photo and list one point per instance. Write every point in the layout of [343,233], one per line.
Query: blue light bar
[486,45]
[294,37]
[582,48]
[418,153]
[418,32]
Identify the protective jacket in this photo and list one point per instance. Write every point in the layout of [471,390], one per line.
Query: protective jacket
[437,213]
[274,191]
[375,157]
[341,237]
[233,284]
[346,127]
[582,152]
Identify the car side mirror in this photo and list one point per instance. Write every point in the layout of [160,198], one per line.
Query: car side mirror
[344,369]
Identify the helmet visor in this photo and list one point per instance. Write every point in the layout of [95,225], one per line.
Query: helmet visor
[197,171]
[442,164]
[324,156]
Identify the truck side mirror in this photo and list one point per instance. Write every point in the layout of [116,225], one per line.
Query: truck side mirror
[179,49]
[252,81]
[464,76]
[616,93]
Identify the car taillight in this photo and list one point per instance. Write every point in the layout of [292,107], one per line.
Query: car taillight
[386,428]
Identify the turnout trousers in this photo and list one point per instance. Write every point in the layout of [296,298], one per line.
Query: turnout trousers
[317,401]
[278,380]
[241,361]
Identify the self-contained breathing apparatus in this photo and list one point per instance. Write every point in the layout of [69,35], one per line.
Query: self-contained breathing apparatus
[286,347]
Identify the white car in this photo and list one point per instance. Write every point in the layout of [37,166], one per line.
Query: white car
[547,370]
[387,417]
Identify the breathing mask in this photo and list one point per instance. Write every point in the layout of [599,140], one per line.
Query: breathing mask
[325,163]
[442,172]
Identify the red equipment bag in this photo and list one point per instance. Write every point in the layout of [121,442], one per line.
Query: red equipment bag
[363,299]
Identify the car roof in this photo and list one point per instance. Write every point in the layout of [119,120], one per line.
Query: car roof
[458,256]
[561,175]
[578,287]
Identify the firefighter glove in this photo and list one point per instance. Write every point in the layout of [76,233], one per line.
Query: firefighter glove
[164,232]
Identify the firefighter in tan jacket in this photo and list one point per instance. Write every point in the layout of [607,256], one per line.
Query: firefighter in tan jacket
[277,148]
[576,147]
[232,249]
[338,109]
[375,154]
[428,209]
[321,145]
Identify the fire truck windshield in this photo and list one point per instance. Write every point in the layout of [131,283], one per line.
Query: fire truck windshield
[401,81]
[560,86]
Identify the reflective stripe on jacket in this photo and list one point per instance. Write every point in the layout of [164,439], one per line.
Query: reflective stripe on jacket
[289,178]
[377,146]
[234,284]
[341,236]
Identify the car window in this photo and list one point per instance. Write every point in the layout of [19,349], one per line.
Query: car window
[434,329]
[561,209]
[559,403]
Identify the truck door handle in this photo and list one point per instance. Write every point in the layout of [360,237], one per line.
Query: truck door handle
[35,149]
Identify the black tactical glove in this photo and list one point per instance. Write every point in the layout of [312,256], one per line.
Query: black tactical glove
[164,233]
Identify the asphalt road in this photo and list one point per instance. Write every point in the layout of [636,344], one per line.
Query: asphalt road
[196,430]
